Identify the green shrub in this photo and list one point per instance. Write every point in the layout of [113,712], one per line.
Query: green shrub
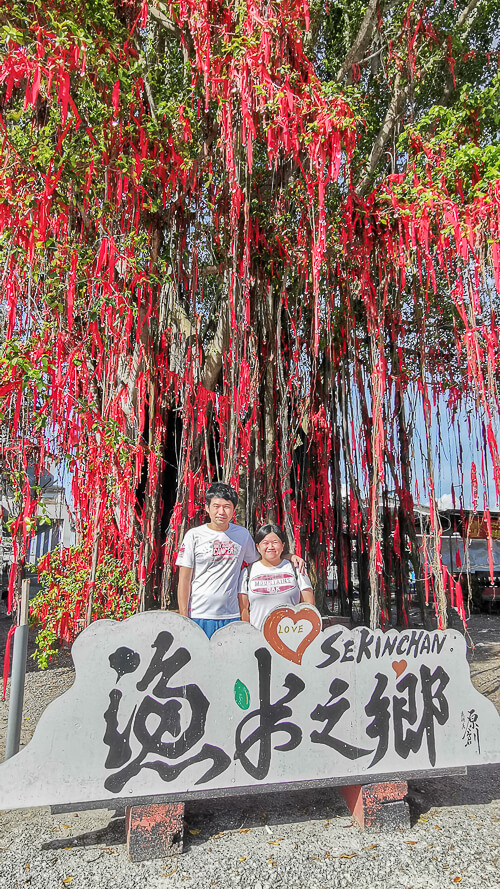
[61,605]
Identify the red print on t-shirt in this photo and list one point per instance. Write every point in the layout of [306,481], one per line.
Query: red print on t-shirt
[272,583]
[222,550]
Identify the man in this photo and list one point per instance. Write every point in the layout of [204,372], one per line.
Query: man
[210,561]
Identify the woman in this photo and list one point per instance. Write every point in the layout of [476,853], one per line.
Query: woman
[271,581]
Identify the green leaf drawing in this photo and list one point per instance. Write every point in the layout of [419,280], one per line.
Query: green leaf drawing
[241,695]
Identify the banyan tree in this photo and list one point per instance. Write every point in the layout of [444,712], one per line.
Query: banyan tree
[259,241]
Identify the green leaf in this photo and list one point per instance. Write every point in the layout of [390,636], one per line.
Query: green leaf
[241,695]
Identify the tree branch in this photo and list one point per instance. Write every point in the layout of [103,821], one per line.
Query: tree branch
[172,29]
[463,18]
[147,87]
[215,351]
[362,40]
[394,110]
[399,97]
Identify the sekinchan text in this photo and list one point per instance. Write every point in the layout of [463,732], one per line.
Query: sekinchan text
[368,644]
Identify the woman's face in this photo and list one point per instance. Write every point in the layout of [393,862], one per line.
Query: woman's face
[270,548]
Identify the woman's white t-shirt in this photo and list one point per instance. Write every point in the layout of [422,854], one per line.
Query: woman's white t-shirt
[268,587]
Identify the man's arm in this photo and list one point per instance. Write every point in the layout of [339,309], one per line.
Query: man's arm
[296,561]
[184,589]
[244,610]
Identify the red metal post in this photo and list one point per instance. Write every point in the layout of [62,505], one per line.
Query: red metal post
[154,831]
[378,806]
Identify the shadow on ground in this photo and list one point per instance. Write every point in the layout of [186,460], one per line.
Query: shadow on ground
[207,819]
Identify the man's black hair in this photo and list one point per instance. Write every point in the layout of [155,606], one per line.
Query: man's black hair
[220,489]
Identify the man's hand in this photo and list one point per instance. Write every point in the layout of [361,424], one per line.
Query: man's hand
[297,562]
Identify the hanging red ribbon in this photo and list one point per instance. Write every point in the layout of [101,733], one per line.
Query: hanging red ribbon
[6,662]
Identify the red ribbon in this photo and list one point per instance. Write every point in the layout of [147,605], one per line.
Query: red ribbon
[6,661]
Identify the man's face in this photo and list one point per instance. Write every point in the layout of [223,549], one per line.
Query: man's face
[220,512]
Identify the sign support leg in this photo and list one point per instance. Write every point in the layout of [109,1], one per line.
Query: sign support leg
[154,831]
[378,806]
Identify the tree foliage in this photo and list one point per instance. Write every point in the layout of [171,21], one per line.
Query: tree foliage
[239,240]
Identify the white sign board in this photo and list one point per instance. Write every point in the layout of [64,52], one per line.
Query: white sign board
[157,708]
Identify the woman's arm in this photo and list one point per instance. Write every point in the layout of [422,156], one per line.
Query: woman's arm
[184,589]
[307,596]
[244,609]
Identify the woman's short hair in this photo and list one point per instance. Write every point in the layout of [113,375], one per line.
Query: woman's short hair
[270,529]
[220,489]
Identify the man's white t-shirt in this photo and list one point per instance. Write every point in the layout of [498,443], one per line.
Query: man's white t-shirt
[216,558]
[268,587]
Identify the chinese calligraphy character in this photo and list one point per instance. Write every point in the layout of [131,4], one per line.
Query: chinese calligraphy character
[270,718]
[470,726]
[378,707]
[434,707]
[331,713]
[152,720]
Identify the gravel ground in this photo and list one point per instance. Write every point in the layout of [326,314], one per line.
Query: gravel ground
[291,840]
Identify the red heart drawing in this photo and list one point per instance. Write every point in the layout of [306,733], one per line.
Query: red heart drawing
[296,613]
[399,667]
